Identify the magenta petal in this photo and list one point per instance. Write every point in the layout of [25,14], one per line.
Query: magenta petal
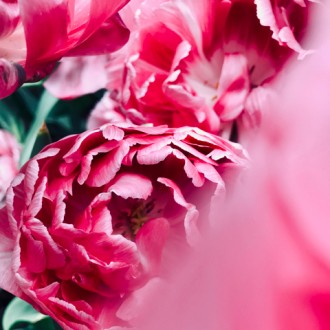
[34,258]
[88,14]
[111,36]
[45,25]
[150,242]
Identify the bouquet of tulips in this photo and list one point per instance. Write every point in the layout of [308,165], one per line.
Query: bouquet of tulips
[164,164]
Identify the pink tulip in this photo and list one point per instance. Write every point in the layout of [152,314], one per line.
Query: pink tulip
[94,217]
[36,34]
[203,63]
[9,156]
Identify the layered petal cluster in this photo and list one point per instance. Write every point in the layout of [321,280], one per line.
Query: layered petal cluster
[34,35]
[198,62]
[90,219]
[9,156]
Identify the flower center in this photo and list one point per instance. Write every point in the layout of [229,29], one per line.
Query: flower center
[132,217]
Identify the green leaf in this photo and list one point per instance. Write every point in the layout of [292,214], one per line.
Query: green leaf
[43,139]
[70,116]
[21,315]
[45,105]
[16,113]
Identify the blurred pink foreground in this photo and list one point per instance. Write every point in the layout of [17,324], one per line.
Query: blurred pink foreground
[267,265]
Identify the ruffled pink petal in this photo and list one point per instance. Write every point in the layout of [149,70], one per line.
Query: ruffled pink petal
[125,184]
[105,168]
[179,17]
[190,220]
[7,275]
[33,256]
[190,169]
[59,210]
[154,153]
[55,257]
[78,318]
[36,203]
[234,86]
[99,215]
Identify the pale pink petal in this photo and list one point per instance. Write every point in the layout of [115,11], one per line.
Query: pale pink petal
[75,72]
[150,242]
[234,86]
[36,203]
[125,185]
[112,132]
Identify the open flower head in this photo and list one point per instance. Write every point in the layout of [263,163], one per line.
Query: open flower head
[201,63]
[91,218]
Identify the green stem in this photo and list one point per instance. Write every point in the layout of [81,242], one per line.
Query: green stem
[46,104]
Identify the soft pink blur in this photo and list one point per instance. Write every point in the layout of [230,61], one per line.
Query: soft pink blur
[36,34]
[9,156]
[267,265]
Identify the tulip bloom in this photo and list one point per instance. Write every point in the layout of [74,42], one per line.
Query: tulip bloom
[90,219]
[34,35]
[200,63]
